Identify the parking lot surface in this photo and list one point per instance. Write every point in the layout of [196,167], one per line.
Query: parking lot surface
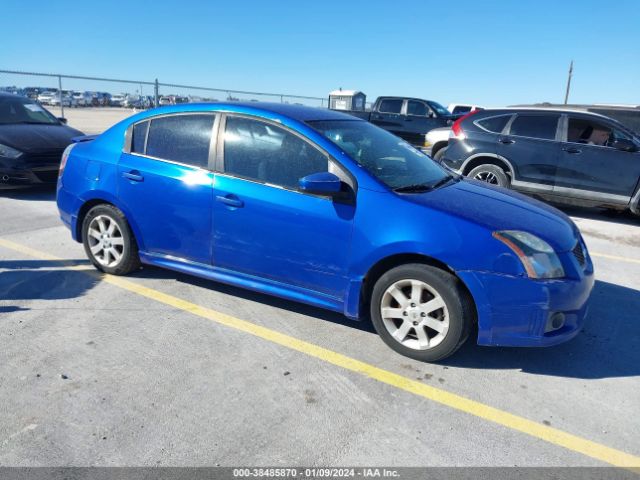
[166,369]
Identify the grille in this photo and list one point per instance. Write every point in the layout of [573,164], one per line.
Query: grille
[48,157]
[578,252]
[47,176]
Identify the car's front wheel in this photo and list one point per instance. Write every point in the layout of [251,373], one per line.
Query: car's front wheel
[489,173]
[108,240]
[440,154]
[421,311]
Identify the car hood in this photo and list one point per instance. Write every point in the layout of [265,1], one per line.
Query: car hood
[499,209]
[36,138]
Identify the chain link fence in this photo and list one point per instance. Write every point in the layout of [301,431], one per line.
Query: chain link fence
[93,103]
[155,91]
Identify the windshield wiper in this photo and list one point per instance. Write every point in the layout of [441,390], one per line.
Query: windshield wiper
[27,122]
[422,187]
[417,187]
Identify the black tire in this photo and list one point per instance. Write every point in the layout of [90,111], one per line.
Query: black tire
[489,173]
[129,260]
[461,312]
[439,154]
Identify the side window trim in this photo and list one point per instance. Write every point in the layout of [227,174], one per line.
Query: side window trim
[349,179]
[212,143]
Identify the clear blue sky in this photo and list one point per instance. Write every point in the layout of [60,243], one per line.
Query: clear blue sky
[487,52]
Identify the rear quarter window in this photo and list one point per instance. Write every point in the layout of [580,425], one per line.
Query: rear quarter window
[139,137]
[493,124]
[390,106]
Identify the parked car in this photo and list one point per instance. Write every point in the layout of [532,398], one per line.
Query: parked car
[83,99]
[627,115]
[408,118]
[14,90]
[118,100]
[31,142]
[436,142]
[463,108]
[46,97]
[33,92]
[66,99]
[283,187]
[166,100]
[570,157]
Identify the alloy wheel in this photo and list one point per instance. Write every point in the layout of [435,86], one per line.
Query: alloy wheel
[415,314]
[488,177]
[105,241]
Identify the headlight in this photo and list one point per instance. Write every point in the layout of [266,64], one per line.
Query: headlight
[9,152]
[538,258]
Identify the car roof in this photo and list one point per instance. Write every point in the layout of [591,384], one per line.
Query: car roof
[540,109]
[297,112]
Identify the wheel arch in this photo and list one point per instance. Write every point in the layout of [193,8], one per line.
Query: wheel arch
[487,158]
[438,146]
[385,264]
[89,203]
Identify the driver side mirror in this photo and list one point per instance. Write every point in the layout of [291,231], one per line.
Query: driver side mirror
[624,145]
[62,120]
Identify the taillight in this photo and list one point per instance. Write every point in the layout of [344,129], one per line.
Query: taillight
[456,128]
[63,160]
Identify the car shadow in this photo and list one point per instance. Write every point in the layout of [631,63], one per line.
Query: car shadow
[295,307]
[608,346]
[603,215]
[42,280]
[43,193]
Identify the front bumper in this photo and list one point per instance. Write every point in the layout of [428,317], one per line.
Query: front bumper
[516,311]
[22,177]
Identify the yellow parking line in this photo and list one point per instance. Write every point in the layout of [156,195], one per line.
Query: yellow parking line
[457,402]
[615,257]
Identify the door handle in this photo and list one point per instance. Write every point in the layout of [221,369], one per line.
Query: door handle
[230,200]
[572,150]
[133,175]
[507,141]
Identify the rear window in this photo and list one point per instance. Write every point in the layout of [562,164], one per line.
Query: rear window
[181,138]
[390,105]
[494,124]
[461,109]
[535,126]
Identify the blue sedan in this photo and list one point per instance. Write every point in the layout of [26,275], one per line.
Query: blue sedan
[320,207]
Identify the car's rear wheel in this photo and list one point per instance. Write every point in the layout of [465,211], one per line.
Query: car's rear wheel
[421,311]
[489,173]
[108,240]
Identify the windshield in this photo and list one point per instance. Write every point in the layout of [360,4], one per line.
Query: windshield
[387,157]
[439,108]
[22,110]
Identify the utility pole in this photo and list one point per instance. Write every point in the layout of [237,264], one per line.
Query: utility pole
[566,95]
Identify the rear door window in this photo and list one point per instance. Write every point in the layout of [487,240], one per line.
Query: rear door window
[390,105]
[535,126]
[181,138]
[494,124]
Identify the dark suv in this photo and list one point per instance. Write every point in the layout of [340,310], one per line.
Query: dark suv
[564,156]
